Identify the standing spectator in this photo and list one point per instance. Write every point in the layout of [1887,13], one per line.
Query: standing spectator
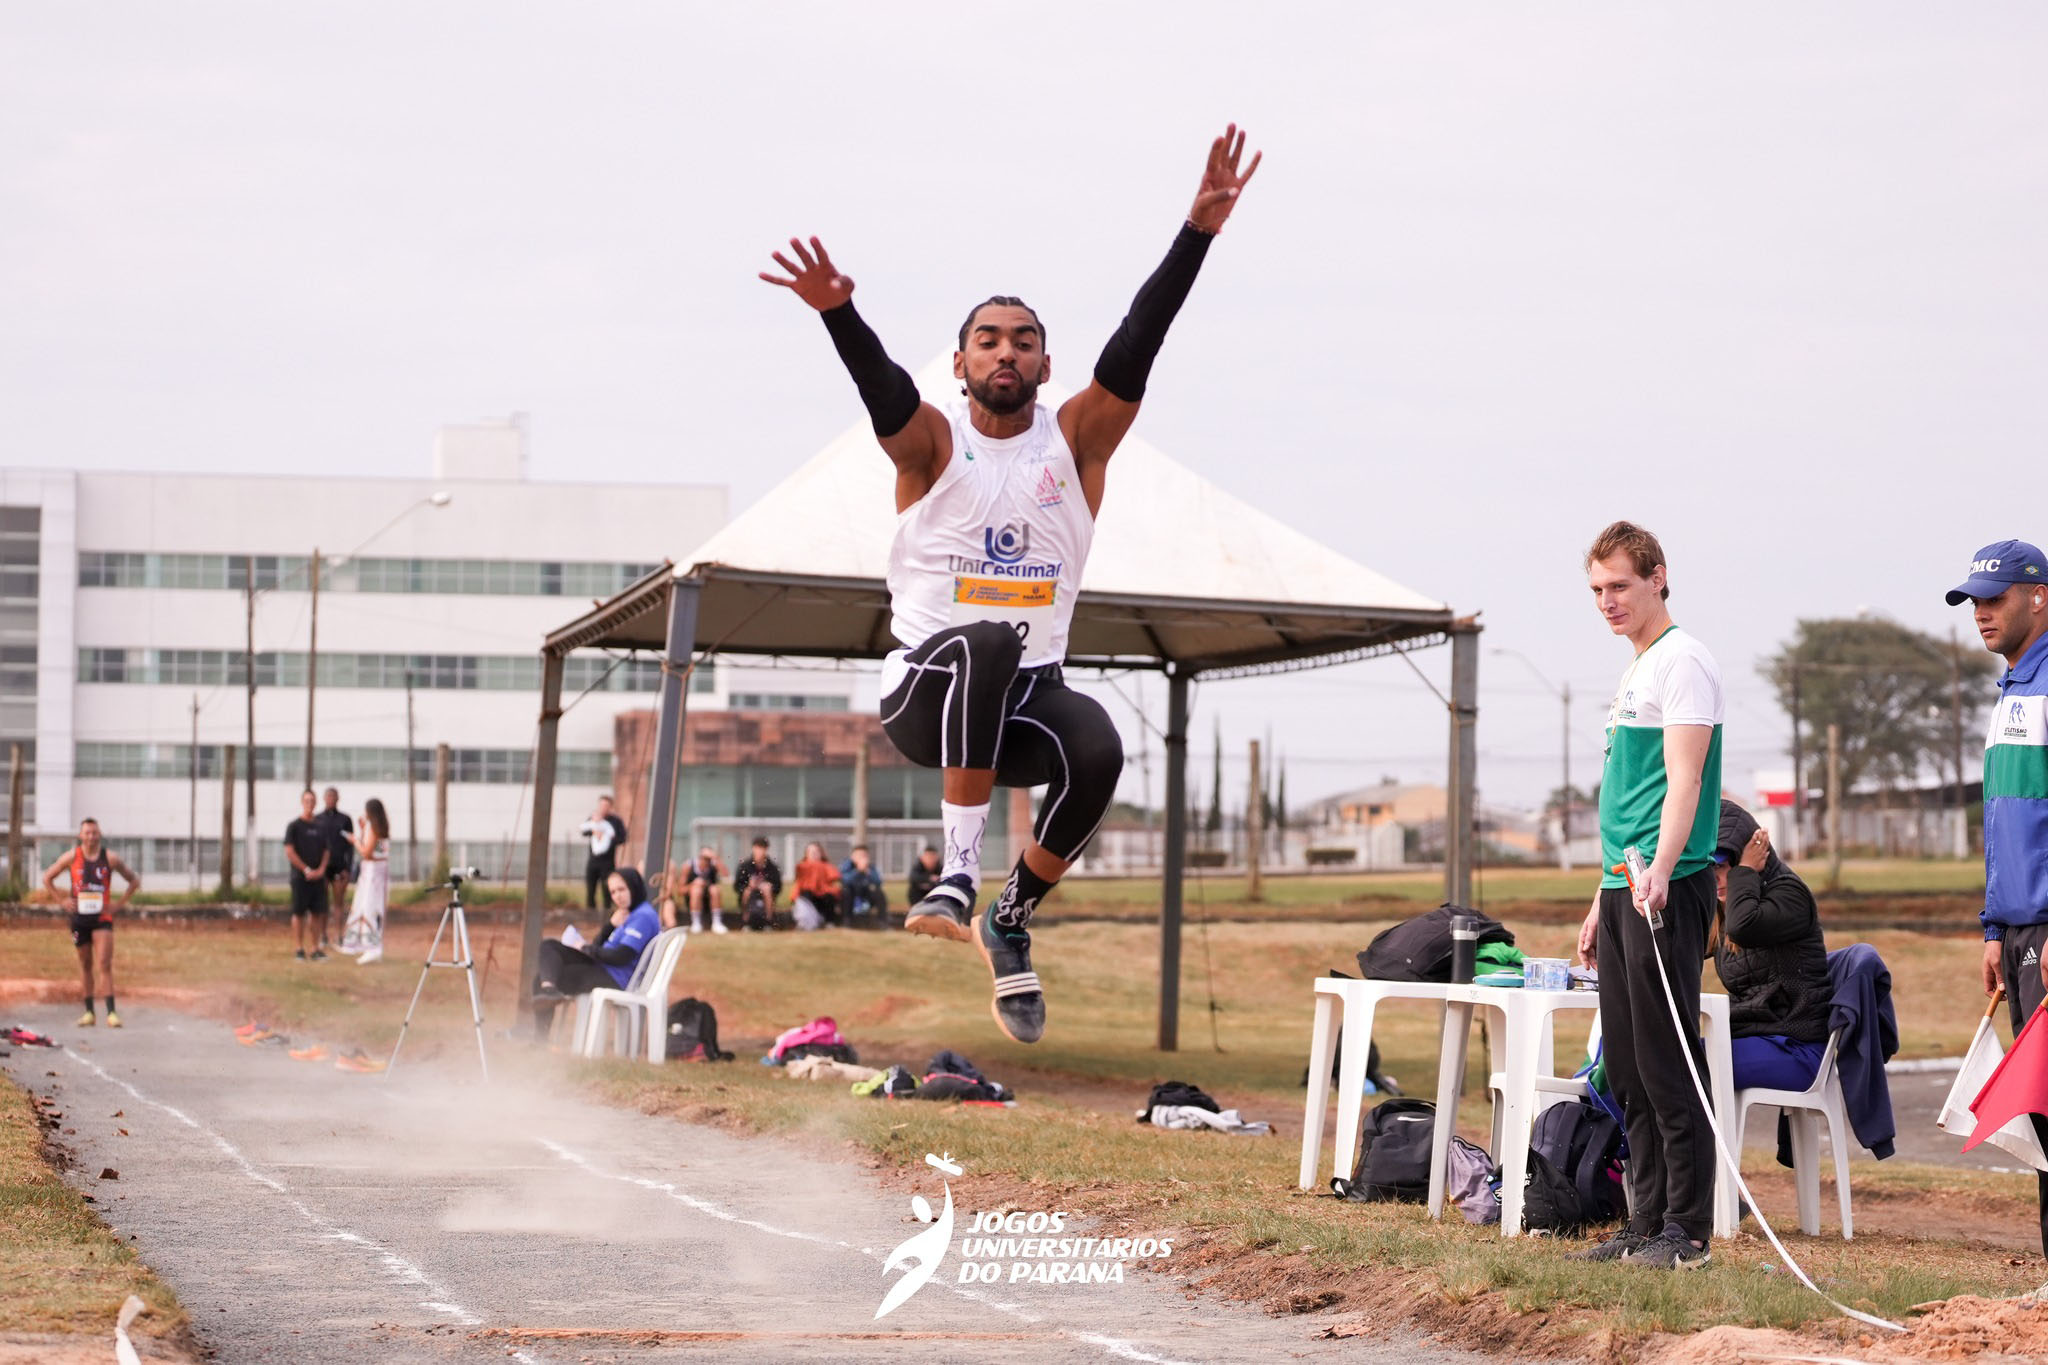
[817,882]
[307,849]
[364,933]
[92,867]
[756,884]
[860,887]
[924,874]
[567,972]
[703,888]
[1657,794]
[606,832]
[334,822]
[2008,590]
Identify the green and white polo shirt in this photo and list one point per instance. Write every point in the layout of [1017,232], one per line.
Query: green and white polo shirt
[1673,682]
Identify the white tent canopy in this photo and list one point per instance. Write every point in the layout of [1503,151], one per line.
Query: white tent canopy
[1182,577]
[1181,572]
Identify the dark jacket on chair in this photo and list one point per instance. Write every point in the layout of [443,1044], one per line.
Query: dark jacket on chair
[1772,958]
[1870,1035]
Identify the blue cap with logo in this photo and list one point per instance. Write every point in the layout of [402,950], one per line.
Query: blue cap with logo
[1997,567]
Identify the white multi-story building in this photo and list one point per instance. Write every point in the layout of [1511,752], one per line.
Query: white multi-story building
[126,618]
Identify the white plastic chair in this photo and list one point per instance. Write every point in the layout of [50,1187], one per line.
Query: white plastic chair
[1803,1108]
[642,1006]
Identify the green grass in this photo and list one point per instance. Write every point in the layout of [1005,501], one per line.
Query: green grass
[61,1269]
[1073,1139]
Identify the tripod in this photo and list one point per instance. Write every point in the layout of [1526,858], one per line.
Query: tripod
[460,957]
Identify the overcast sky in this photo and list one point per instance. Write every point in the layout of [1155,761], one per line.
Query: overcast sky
[1767,278]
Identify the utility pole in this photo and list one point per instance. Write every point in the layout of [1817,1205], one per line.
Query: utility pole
[860,794]
[192,779]
[441,756]
[249,752]
[1961,847]
[1254,834]
[412,792]
[1564,814]
[1798,772]
[312,661]
[227,821]
[1834,806]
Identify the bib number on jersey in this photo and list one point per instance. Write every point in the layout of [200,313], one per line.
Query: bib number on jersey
[92,903]
[1023,605]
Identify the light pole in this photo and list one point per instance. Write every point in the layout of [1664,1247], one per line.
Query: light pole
[1564,811]
[438,498]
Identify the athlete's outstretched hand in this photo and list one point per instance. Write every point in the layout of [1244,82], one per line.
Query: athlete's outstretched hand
[817,281]
[1221,182]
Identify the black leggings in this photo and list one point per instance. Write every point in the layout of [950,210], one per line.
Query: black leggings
[568,970]
[966,704]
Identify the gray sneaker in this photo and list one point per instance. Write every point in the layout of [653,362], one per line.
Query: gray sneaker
[944,911]
[1670,1249]
[1613,1247]
[1019,1003]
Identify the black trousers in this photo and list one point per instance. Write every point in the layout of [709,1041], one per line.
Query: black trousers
[966,704]
[1670,1147]
[596,870]
[568,970]
[2023,995]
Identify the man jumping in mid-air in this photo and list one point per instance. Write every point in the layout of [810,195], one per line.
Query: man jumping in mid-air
[987,560]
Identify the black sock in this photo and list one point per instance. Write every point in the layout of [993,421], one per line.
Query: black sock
[88,1004]
[1020,896]
[110,1004]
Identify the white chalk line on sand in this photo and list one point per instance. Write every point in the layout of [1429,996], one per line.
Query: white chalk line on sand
[1115,1346]
[396,1266]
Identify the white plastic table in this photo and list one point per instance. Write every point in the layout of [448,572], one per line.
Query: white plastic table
[1526,1050]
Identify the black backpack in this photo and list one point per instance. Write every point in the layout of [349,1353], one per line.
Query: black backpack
[693,1032]
[1419,949]
[1393,1155]
[1574,1173]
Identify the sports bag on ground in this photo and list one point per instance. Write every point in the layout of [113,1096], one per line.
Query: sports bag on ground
[1393,1155]
[693,1032]
[1574,1175]
[1419,949]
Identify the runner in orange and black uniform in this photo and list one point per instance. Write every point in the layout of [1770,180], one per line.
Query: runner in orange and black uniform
[92,867]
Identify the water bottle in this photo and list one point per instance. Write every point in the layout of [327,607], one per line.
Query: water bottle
[1464,948]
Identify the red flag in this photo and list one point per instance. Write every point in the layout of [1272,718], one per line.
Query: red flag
[2019,1086]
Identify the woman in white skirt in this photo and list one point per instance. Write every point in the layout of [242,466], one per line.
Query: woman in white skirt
[364,933]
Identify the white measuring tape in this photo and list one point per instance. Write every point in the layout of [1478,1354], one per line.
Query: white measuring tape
[1636,869]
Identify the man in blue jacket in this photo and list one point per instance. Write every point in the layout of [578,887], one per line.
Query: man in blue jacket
[2008,592]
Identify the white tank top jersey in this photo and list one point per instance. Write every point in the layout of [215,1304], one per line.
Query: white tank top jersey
[1002,536]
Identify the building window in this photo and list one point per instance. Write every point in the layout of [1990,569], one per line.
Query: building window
[291,573]
[784,701]
[340,763]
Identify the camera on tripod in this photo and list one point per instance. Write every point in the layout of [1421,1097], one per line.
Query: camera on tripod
[458,875]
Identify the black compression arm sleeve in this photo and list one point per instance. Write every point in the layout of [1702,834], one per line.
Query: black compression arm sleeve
[1127,360]
[884,385]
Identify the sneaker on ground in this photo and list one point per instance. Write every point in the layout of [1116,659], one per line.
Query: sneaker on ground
[370,955]
[315,1053]
[319,954]
[86,1020]
[1670,1249]
[1612,1247]
[253,1036]
[300,955]
[718,925]
[945,911]
[1019,1003]
[358,1061]
[113,1019]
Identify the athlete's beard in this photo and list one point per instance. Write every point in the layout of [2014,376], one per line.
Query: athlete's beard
[999,404]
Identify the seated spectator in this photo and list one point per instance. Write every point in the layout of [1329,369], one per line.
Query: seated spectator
[704,884]
[860,888]
[756,883]
[1768,948]
[610,959]
[817,884]
[924,874]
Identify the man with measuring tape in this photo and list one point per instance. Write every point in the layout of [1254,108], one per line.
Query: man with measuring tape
[995,512]
[92,865]
[1659,796]
[2008,592]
